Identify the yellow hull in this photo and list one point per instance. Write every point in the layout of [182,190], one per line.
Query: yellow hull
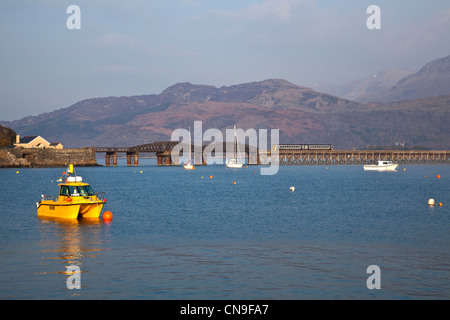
[67,210]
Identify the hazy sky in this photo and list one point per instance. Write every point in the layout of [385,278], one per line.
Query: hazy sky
[137,47]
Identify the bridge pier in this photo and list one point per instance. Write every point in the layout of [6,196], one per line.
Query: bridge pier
[164,158]
[111,158]
[132,158]
[159,160]
[253,158]
[198,158]
[168,160]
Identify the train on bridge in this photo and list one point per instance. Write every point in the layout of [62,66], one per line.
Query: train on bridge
[302,147]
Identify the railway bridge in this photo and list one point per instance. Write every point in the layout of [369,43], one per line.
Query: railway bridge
[343,157]
[288,156]
[165,155]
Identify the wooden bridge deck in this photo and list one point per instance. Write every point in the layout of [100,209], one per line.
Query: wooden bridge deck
[347,157]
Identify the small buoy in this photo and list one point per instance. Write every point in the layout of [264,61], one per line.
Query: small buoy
[292,188]
[210,177]
[234,182]
[431,202]
[140,171]
[254,172]
[440,204]
[246,166]
[404,169]
[438,176]
[107,215]
[202,177]
[17,171]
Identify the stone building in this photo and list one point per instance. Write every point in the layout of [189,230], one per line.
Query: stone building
[36,142]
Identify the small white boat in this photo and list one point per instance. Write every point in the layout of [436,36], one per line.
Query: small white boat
[188,166]
[382,165]
[233,162]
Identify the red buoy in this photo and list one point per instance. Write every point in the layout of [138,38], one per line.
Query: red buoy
[107,216]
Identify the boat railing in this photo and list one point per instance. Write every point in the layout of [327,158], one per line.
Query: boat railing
[49,198]
[100,196]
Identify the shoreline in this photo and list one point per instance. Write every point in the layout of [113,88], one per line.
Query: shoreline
[47,158]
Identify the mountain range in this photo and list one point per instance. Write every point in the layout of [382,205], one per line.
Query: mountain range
[433,79]
[357,89]
[413,110]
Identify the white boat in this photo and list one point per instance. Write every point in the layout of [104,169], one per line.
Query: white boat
[382,165]
[233,162]
[188,165]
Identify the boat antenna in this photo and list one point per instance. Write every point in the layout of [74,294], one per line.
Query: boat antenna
[70,170]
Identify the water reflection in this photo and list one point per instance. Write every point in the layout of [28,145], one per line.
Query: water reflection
[69,242]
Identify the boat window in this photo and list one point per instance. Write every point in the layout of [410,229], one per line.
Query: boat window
[86,191]
[74,191]
[81,191]
[64,191]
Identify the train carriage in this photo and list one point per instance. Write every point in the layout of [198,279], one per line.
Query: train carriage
[303,147]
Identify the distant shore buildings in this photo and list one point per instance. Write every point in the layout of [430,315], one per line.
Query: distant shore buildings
[36,142]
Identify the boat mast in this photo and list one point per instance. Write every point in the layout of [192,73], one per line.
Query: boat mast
[190,151]
[235,144]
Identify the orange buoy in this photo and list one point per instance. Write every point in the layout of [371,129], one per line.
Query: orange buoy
[440,204]
[234,182]
[210,177]
[438,176]
[107,216]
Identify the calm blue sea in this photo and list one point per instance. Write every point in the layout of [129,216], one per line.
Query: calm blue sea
[178,234]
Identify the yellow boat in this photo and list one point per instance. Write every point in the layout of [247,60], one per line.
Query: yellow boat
[76,200]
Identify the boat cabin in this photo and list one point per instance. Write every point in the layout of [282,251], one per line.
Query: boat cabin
[76,190]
